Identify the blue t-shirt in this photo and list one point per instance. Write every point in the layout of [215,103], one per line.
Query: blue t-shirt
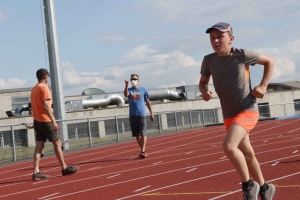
[137,98]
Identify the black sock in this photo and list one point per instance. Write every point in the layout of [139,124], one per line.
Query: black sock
[248,184]
[264,187]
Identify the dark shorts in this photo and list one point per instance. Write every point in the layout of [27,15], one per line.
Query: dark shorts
[44,131]
[138,125]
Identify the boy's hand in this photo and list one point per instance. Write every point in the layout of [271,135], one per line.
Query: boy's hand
[259,91]
[207,96]
[126,83]
[152,117]
[55,126]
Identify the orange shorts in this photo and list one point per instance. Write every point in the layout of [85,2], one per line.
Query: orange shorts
[246,119]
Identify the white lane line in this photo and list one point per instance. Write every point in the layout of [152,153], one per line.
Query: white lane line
[78,180]
[294,130]
[176,184]
[197,179]
[266,141]
[189,152]
[157,163]
[213,145]
[221,196]
[191,170]
[223,157]
[38,182]
[274,163]
[93,168]
[49,195]
[114,176]
[279,135]
[142,188]
[296,151]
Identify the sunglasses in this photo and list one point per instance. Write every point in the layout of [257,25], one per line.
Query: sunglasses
[134,79]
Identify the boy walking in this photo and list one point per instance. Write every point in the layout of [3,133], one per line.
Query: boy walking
[229,68]
[137,97]
[45,126]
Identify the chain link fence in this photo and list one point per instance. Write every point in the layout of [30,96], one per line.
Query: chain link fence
[18,142]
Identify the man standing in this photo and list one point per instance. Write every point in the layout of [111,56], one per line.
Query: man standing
[137,97]
[45,126]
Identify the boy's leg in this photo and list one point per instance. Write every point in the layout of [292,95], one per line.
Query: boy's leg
[232,140]
[252,163]
[139,141]
[59,153]
[37,155]
[144,140]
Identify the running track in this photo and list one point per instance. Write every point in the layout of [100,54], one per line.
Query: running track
[183,165]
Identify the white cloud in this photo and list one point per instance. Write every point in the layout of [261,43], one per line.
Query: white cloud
[180,83]
[285,61]
[1,15]
[12,83]
[156,69]
[198,12]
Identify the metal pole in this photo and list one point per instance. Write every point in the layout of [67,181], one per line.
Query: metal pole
[191,119]
[176,120]
[13,142]
[117,127]
[284,110]
[159,123]
[56,83]
[203,117]
[90,132]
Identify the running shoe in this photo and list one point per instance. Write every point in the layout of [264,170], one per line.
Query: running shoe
[69,170]
[42,155]
[39,176]
[143,154]
[251,193]
[269,194]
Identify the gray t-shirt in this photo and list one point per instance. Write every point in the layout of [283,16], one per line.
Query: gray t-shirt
[231,77]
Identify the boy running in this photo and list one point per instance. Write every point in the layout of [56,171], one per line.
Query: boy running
[229,68]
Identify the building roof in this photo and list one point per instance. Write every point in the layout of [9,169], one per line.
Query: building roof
[15,90]
[292,84]
[28,89]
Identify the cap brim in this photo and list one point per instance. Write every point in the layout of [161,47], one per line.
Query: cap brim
[222,30]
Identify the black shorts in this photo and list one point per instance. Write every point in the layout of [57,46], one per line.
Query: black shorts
[138,125]
[44,131]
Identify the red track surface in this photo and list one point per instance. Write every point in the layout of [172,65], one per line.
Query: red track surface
[184,165]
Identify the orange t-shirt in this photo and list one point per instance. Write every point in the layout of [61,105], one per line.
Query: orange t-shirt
[39,93]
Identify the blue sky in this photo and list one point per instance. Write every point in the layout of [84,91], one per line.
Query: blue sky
[102,42]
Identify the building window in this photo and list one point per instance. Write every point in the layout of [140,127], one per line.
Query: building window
[19,101]
[297,106]
[264,110]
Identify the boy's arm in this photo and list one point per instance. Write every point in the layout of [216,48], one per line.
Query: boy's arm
[203,87]
[47,107]
[149,106]
[260,90]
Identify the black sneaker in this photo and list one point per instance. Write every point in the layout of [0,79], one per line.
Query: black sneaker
[251,193]
[42,155]
[69,170]
[62,148]
[269,194]
[39,176]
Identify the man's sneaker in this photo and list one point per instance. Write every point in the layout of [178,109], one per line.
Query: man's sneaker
[143,154]
[42,155]
[62,148]
[39,176]
[269,194]
[69,170]
[251,193]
